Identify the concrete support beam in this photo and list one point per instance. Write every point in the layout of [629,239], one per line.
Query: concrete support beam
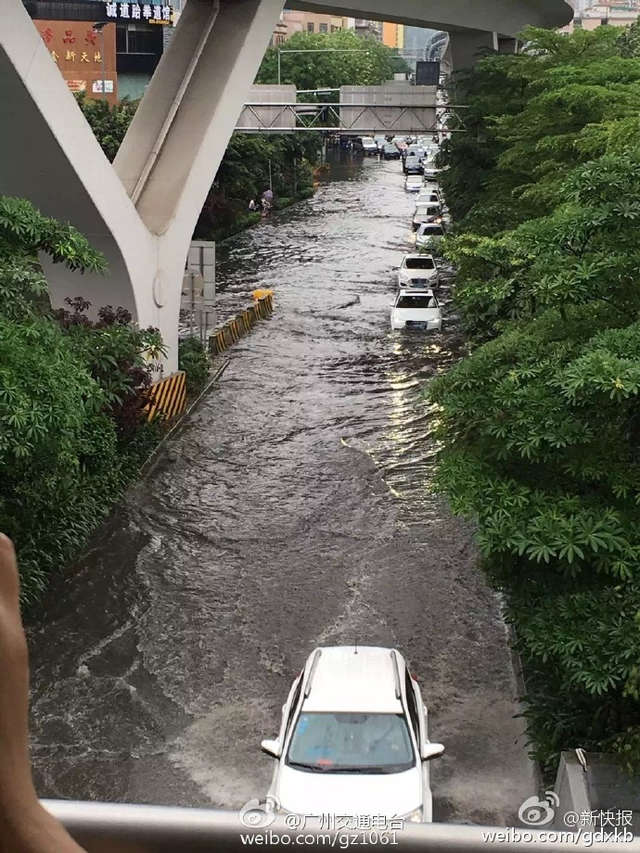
[142,211]
[507,45]
[466,46]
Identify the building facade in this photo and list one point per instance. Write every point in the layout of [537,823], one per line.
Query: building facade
[393,35]
[590,14]
[105,49]
[368,29]
[312,22]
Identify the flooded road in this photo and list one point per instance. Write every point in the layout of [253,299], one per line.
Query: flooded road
[292,510]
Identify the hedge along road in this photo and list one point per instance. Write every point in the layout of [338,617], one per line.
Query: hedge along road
[291,510]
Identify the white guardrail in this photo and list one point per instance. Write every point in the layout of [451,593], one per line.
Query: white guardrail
[122,828]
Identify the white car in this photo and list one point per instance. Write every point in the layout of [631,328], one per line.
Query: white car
[416,309]
[427,196]
[369,145]
[413,183]
[353,738]
[430,172]
[418,270]
[429,233]
[430,212]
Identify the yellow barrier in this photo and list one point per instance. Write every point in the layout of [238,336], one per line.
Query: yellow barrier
[167,396]
[242,323]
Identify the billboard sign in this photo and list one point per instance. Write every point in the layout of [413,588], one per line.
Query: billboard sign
[83,55]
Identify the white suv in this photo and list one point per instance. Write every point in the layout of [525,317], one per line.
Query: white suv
[353,738]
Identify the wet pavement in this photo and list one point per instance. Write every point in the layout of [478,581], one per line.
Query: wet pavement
[291,510]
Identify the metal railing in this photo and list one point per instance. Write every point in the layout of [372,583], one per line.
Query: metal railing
[122,828]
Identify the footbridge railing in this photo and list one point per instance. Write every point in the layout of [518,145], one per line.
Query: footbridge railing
[123,828]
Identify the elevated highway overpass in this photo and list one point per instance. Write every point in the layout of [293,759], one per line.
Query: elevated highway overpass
[471,24]
[141,211]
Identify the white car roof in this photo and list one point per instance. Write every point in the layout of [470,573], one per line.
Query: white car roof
[416,255]
[362,682]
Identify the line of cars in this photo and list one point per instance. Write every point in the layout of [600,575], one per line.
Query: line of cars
[416,304]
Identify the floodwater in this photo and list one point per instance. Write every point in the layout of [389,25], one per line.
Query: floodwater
[292,509]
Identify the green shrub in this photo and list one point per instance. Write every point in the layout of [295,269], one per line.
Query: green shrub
[193,359]
[72,434]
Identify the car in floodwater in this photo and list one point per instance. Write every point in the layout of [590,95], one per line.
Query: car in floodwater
[430,171]
[429,212]
[390,152]
[369,146]
[427,196]
[413,183]
[353,738]
[418,270]
[416,309]
[429,234]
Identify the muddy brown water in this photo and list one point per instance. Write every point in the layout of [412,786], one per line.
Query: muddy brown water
[291,510]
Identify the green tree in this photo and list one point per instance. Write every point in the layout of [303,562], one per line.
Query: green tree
[109,123]
[71,435]
[373,64]
[540,424]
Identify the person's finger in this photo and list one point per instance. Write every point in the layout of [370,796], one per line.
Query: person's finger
[9,585]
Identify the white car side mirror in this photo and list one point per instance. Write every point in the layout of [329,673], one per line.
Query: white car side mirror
[431,750]
[271,747]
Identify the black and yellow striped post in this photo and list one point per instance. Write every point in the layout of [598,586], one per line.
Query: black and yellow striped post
[167,397]
[242,323]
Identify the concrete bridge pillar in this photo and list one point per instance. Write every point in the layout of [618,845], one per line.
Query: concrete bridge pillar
[466,46]
[141,211]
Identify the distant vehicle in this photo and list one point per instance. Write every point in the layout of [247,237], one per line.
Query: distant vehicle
[418,270]
[413,183]
[430,172]
[380,142]
[417,310]
[430,212]
[369,146]
[428,234]
[427,196]
[412,165]
[390,151]
[353,738]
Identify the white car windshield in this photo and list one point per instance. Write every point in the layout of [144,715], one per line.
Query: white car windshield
[410,301]
[351,743]
[419,263]
[431,231]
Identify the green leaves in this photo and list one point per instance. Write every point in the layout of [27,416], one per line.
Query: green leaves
[540,425]
[71,437]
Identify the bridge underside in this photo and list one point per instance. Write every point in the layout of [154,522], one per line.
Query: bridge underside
[506,17]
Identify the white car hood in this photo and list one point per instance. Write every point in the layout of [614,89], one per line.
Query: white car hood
[412,274]
[389,794]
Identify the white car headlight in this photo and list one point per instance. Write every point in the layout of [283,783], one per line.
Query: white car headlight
[415,816]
